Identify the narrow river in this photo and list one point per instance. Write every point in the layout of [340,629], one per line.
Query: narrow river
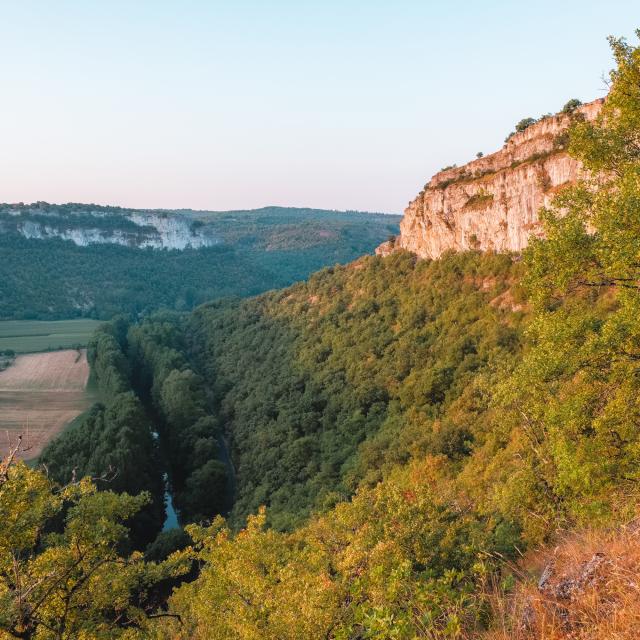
[171,519]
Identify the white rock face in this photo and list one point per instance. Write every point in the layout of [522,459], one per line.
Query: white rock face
[158,231]
[173,232]
[492,203]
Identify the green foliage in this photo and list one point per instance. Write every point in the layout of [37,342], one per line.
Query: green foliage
[205,490]
[199,473]
[571,106]
[166,543]
[479,201]
[68,580]
[333,381]
[575,394]
[399,561]
[259,250]
[113,441]
[114,445]
[521,126]
[524,124]
[108,362]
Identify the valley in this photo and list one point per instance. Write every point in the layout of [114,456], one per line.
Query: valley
[304,424]
[62,262]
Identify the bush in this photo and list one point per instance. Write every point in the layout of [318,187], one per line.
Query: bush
[571,106]
[524,124]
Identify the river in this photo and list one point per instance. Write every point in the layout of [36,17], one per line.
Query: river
[171,519]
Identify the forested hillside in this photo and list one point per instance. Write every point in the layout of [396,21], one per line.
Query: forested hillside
[408,449]
[45,274]
[331,382]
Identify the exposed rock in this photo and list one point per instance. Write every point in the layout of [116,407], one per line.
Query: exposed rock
[154,230]
[386,248]
[566,587]
[493,202]
[545,577]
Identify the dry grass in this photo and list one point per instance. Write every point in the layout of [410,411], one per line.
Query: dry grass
[39,395]
[592,591]
[56,371]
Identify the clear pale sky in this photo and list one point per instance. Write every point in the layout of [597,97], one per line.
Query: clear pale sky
[223,105]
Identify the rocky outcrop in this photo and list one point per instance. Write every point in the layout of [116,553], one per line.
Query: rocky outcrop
[138,229]
[493,202]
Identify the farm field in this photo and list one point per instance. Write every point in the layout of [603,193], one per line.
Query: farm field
[29,336]
[40,393]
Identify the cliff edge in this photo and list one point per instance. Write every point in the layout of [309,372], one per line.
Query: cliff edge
[492,203]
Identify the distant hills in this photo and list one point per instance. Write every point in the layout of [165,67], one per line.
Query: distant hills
[85,260]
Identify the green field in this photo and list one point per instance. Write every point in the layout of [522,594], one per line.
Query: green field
[28,336]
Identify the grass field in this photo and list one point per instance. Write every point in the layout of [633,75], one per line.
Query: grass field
[40,393]
[29,336]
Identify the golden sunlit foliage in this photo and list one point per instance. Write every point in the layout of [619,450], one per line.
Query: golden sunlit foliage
[61,571]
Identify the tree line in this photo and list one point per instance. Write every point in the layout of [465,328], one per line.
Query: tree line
[113,442]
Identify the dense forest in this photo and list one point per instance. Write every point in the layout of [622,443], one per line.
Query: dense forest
[255,251]
[396,444]
[325,385]
[113,442]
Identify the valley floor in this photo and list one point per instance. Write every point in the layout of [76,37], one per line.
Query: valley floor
[40,393]
[30,336]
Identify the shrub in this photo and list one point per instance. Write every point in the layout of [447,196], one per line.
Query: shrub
[524,124]
[571,106]
[480,200]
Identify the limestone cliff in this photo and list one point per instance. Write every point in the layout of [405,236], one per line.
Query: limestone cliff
[492,203]
[86,225]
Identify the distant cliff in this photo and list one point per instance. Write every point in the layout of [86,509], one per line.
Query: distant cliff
[269,229]
[492,203]
[85,225]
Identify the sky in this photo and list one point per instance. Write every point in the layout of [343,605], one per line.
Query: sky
[241,104]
